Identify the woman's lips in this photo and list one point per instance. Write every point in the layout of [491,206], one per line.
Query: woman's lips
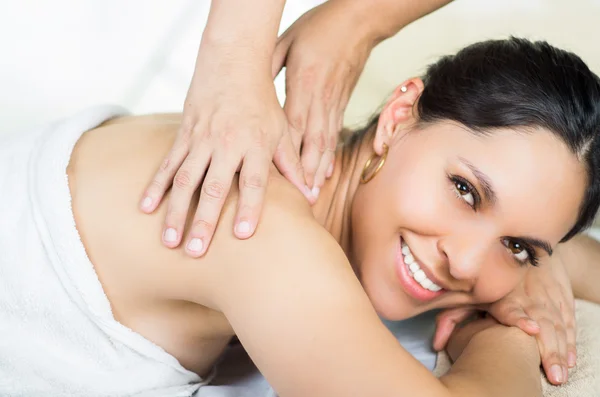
[410,285]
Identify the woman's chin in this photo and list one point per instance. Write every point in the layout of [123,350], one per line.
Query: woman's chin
[395,308]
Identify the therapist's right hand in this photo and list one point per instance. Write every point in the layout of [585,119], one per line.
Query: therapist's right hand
[231,121]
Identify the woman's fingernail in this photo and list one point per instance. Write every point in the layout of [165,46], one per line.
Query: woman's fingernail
[195,245]
[557,373]
[572,358]
[146,203]
[330,170]
[243,227]
[170,235]
[315,192]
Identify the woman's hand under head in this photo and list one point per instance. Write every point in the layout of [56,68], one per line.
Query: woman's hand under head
[541,305]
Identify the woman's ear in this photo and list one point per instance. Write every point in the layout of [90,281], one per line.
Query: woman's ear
[397,112]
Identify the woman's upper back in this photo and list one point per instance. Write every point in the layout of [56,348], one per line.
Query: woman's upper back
[145,282]
[289,293]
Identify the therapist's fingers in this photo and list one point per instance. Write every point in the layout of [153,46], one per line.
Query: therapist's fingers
[214,191]
[163,177]
[253,182]
[314,146]
[185,182]
[280,54]
[287,161]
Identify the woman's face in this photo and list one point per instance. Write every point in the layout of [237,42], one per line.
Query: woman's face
[464,212]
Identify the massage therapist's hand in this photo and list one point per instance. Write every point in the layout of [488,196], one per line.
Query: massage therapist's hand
[324,53]
[231,121]
[542,305]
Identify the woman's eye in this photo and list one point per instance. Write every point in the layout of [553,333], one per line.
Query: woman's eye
[517,250]
[464,192]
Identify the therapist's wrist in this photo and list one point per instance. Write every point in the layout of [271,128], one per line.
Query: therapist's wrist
[368,19]
[382,19]
[236,57]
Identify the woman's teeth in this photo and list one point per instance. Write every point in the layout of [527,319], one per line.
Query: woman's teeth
[415,270]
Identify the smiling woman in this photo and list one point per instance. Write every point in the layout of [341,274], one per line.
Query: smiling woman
[466,180]
[487,127]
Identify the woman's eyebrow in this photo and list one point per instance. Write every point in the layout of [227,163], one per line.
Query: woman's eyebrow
[490,195]
[536,242]
[483,180]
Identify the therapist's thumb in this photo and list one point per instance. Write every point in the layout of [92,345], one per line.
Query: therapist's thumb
[280,54]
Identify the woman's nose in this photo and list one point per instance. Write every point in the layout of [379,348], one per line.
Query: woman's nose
[465,256]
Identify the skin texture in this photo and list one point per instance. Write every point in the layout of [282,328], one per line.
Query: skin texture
[312,257]
[223,132]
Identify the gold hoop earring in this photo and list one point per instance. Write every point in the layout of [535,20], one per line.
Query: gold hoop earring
[364,178]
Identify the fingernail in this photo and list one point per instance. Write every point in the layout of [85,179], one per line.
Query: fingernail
[557,373]
[572,358]
[308,192]
[170,235]
[195,245]
[330,170]
[533,324]
[315,192]
[565,373]
[146,203]
[243,227]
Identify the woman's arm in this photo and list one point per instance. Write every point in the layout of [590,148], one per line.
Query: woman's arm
[289,293]
[581,258]
[497,361]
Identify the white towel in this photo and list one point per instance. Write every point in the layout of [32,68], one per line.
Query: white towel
[58,336]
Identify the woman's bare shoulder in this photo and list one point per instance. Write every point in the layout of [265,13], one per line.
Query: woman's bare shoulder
[109,169]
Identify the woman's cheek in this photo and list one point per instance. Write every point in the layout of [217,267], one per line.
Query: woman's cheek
[427,207]
[496,281]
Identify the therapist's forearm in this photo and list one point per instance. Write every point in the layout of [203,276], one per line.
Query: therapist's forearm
[244,30]
[497,362]
[384,18]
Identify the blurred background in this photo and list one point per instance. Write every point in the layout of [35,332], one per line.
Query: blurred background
[60,56]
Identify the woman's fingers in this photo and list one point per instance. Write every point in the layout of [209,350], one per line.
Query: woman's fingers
[553,360]
[571,329]
[511,312]
[552,341]
[446,322]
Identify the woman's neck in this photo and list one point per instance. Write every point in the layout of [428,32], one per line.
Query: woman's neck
[333,209]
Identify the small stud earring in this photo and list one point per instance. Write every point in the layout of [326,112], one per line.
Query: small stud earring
[403,88]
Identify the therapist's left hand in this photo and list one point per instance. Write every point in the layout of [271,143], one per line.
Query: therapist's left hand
[542,306]
[324,53]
